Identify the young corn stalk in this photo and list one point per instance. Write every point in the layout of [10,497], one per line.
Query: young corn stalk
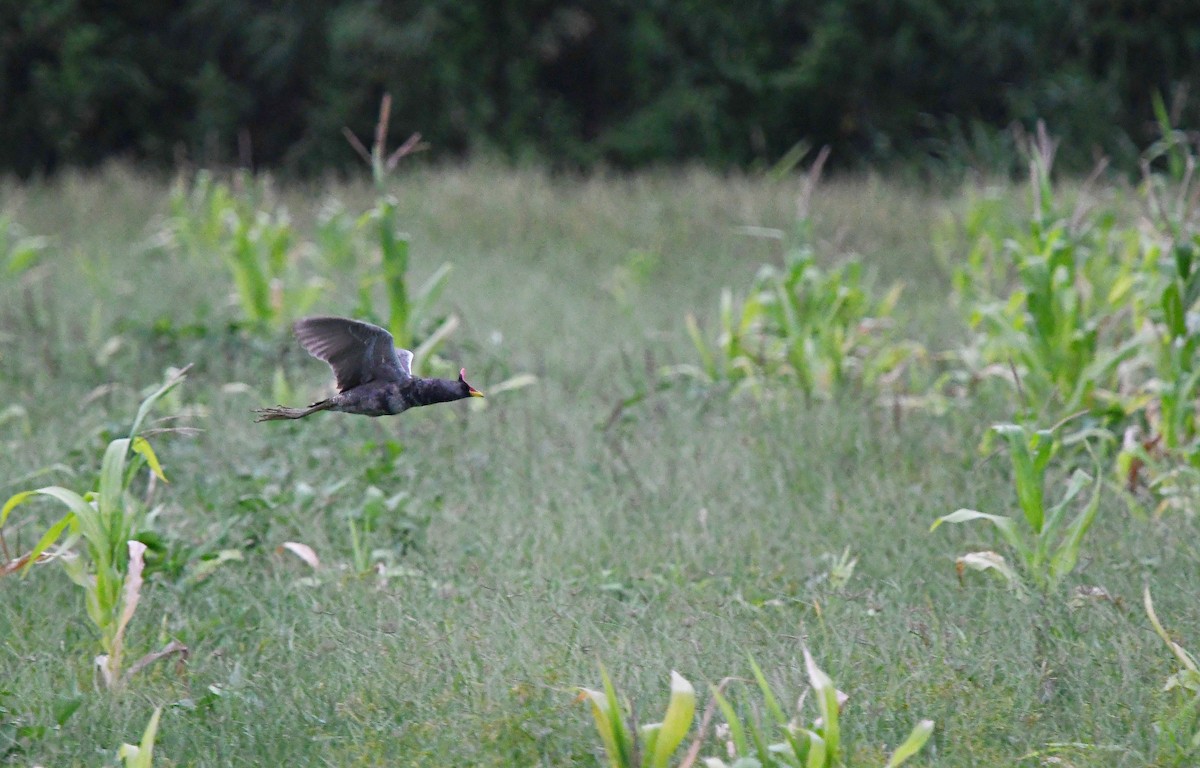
[1048,545]
[109,566]
[258,246]
[818,329]
[1161,447]
[815,744]
[410,317]
[1060,326]
[628,745]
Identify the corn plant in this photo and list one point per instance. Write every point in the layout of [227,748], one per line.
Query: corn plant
[1048,545]
[819,329]
[200,213]
[259,247]
[1060,326]
[106,520]
[1173,258]
[1161,448]
[409,316]
[648,746]
[410,313]
[793,741]
[1183,727]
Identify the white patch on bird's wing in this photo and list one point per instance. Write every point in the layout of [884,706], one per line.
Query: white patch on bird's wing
[405,358]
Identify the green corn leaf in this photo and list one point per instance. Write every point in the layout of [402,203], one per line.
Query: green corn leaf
[141,447]
[827,703]
[676,723]
[1067,554]
[81,513]
[795,744]
[172,381]
[13,502]
[649,734]
[142,756]
[1057,513]
[1029,455]
[913,744]
[112,487]
[1007,528]
[769,699]
[49,537]
[599,706]
[616,721]
[610,722]
[761,748]
[818,751]
[737,732]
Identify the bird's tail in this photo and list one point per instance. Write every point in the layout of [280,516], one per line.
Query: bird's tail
[283,412]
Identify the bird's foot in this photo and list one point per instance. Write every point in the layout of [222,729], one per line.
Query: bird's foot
[280,412]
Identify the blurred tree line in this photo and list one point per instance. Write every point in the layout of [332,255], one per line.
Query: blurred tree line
[620,82]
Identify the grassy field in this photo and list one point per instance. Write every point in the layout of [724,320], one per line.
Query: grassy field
[548,530]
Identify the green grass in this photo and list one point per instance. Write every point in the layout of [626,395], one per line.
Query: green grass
[690,535]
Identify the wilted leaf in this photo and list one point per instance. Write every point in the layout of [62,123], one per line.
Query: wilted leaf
[988,560]
[302,551]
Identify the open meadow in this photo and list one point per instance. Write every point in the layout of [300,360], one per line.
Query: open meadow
[653,483]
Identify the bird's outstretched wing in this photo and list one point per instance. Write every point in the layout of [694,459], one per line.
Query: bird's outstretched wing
[357,352]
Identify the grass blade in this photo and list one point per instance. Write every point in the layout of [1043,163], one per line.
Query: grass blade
[769,699]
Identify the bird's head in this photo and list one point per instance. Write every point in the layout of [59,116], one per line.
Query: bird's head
[468,390]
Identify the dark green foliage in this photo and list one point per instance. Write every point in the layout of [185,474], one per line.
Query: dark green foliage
[621,82]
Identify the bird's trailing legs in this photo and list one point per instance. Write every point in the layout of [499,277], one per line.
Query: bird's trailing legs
[283,412]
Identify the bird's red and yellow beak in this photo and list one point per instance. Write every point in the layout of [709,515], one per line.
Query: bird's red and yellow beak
[462,376]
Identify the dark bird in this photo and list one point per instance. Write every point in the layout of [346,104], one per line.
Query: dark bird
[374,376]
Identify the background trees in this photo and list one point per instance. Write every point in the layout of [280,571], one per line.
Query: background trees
[622,82]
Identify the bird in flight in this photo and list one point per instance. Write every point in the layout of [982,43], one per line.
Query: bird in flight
[374,377]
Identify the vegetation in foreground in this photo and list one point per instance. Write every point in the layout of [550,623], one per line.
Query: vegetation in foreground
[648,493]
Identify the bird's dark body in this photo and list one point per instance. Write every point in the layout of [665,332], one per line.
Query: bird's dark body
[388,398]
[373,376]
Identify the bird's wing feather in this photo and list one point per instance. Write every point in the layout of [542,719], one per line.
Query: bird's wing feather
[357,352]
[404,357]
